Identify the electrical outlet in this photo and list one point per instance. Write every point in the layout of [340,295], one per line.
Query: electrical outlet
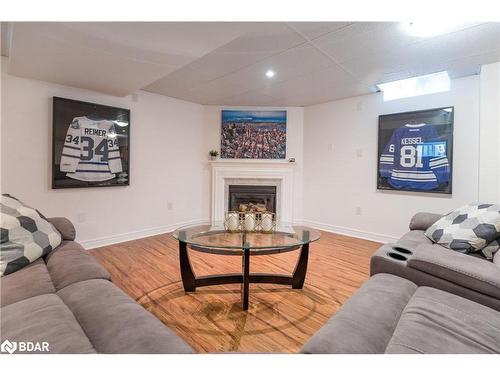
[359,152]
[329,147]
[359,211]
[82,217]
[170,206]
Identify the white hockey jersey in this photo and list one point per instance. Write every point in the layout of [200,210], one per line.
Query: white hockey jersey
[91,151]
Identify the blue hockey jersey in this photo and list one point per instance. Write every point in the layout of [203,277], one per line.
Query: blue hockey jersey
[415,158]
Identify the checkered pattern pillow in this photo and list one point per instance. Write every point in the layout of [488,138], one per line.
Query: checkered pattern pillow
[468,229]
[25,235]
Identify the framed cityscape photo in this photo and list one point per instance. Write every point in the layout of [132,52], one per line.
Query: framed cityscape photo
[90,144]
[253,135]
[415,151]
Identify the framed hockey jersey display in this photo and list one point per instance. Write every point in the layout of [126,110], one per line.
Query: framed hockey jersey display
[415,151]
[90,145]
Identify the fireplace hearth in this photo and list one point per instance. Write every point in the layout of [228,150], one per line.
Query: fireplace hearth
[252,198]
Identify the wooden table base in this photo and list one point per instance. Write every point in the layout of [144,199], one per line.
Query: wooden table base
[191,282]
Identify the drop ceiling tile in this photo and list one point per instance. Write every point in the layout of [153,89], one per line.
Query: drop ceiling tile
[189,39]
[181,80]
[327,94]
[458,45]
[109,57]
[266,37]
[261,41]
[218,88]
[290,64]
[313,30]
[475,45]
[41,54]
[250,98]
[319,86]
[317,80]
[361,40]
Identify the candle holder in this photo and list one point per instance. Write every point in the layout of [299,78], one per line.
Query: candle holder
[232,222]
[249,223]
[267,223]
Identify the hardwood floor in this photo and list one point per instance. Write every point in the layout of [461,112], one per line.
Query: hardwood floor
[279,319]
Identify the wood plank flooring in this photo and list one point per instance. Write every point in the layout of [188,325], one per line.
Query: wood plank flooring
[279,319]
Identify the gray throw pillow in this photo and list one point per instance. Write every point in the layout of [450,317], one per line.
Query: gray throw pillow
[467,229]
[25,235]
[490,249]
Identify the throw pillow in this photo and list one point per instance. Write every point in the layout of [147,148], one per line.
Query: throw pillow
[467,229]
[490,249]
[25,235]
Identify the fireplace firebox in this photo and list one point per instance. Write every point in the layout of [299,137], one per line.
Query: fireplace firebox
[252,195]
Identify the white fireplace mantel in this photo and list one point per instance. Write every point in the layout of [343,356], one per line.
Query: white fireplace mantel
[252,172]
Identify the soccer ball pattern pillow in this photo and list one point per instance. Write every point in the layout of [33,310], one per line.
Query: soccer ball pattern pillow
[467,229]
[25,235]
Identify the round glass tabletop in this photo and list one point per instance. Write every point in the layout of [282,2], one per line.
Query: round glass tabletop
[213,235]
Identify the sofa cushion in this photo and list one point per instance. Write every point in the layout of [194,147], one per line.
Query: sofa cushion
[70,263]
[31,281]
[115,323]
[367,320]
[25,235]
[44,318]
[467,229]
[438,322]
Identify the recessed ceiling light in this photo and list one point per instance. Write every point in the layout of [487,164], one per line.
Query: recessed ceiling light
[270,73]
[432,28]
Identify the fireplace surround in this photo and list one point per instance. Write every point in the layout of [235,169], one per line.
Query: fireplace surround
[279,174]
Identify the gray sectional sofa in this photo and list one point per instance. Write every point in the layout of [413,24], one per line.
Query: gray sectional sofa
[68,301]
[416,258]
[421,298]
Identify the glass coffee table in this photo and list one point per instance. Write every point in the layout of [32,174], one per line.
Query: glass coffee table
[213,238]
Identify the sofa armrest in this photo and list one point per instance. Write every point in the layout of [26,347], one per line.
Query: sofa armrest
[366,322]
[65,227]
[464,270]
[423,220]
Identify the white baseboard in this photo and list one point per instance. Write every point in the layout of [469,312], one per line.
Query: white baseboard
[377,237]
[123,237]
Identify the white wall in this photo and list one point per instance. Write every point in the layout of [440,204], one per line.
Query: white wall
[294,144]
[337,180]
[170,140]
[167,160]
[489,135]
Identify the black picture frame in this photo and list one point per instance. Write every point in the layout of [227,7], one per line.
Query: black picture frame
[64,112]
[437,135]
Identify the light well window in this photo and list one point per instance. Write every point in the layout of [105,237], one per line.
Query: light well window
[415,86]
